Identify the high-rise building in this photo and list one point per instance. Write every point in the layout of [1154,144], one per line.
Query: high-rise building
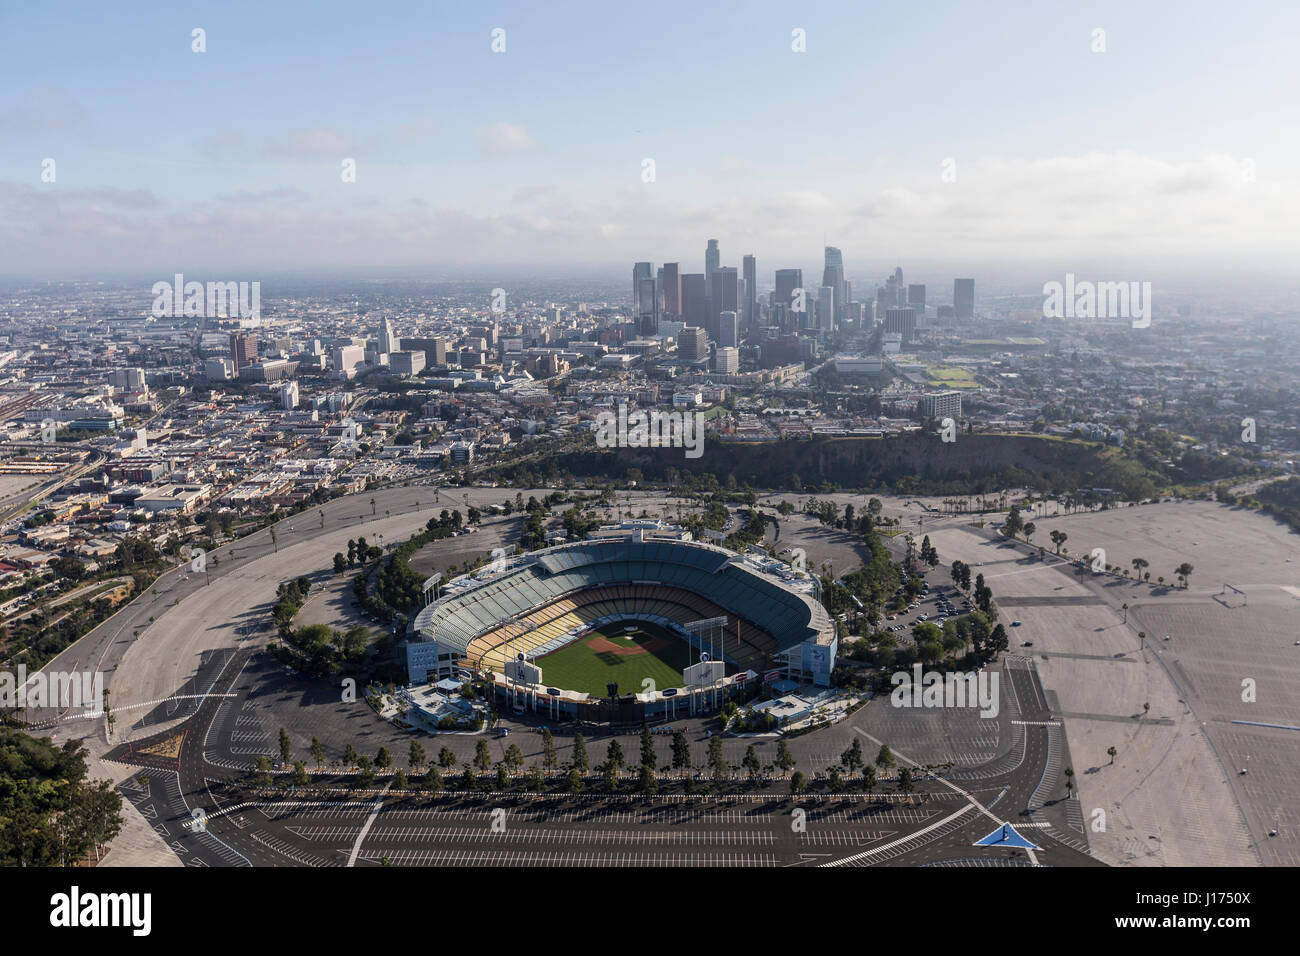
[724,296]
[726,361]
[692,343]
[749,270]
[289,396]
[916,298]
[712,261]
[695,299]
[963,299]
[788,284]
[672,288]
[640,270]
[728,329]
[647,305]
[388,340]
[826,308]
[243,350]
[833,276]
[940,405]
[902,321]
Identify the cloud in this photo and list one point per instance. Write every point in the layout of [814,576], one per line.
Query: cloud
[45,109]
[502,137]
[526,194]
[310,143]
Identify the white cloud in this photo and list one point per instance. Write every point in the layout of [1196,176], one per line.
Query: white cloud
[502,137]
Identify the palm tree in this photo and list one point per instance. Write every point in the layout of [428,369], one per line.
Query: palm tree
[1138,565]
[1184,571]
[372,507]
[1111,752]
[274,542]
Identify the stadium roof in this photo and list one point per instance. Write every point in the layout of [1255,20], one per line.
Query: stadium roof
[717,574]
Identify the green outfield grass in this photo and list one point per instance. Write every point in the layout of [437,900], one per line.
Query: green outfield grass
[579,666]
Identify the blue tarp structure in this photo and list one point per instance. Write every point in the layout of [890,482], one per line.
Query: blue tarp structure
[1006,835]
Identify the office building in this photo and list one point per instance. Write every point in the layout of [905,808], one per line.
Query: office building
[692,344]
[724,296]
[728,329]
[749,275]
[243,350]
[963,299]
[726,361]
[940,405]
[902,321]
[833,277]
[672,288]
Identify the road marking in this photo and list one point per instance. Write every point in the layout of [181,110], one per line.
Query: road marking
[370,821]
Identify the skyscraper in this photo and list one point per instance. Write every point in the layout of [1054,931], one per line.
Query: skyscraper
[749,269]
[916,298]
[787,282]
[724,296]
[640,270]
[692,344]
[388,341]
[694,299]
[243,350]
[672,288]
[712,260]
[833,276]
[963,299]
[728,329]
[826,308]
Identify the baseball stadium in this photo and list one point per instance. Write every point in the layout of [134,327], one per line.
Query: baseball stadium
[626,627]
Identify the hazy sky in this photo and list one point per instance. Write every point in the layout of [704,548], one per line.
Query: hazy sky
[1178,144]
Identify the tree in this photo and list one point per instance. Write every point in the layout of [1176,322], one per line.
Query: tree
[784,759]
[549,761]
[482,757]
[1140,565]
[575,781]
[262,778]
[905,784]
[350,756]
[719,769]
[514,758]
[1184,571]
[648,783]
[581,762]
[1014,524]
[798,783]
[614,755]
[885,758]
[446,759]
[416,756]
[1059,538]
[869,778]
[433,779]
[852,757]
[318,751]
[383,759]
[1069,781]
[1030,528]
[648,756]
[340,563]
[1111,752]
[286,746]
[753,766]
[300,777]
[681,751]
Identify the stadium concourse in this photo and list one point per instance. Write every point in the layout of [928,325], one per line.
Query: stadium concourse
[759,615]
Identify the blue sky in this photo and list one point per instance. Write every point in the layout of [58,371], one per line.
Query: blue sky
[168,158]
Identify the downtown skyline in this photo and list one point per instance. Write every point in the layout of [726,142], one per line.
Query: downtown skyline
[1137,158]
